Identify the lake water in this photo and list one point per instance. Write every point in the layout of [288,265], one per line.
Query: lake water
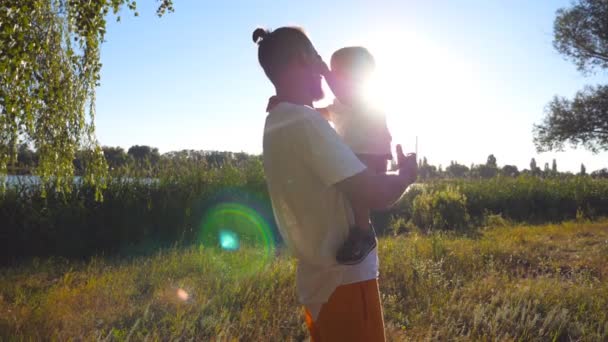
[14,180]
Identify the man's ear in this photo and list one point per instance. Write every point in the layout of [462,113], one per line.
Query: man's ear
[302,59]
[305,58]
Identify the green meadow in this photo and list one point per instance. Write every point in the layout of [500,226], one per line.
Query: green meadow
[99,242]
[506,282]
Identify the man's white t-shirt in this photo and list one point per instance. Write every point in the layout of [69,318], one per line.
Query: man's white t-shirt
[303,160]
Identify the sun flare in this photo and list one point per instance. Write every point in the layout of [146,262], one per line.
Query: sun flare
[419,84]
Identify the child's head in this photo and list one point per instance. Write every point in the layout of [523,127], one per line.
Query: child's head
[351,68]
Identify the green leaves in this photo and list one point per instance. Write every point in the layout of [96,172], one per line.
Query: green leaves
[581,35]
[581,121]
[49,70]
[165,6]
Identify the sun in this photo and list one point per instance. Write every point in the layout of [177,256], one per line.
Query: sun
[418,84]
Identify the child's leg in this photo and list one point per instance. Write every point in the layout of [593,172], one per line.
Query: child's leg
[376,163]
[361,215]
[362,238]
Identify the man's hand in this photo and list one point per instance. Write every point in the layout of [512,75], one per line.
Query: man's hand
[321,67]
[408,165]
[330,78]
[380,191]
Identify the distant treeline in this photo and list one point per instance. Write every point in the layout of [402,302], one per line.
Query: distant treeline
[137,160]
[491,169]
[147,161]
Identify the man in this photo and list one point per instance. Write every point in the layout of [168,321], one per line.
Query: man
[313,177]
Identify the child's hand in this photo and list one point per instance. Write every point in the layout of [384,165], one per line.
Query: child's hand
[408,166]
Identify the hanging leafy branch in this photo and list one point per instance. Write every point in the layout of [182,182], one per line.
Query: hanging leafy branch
[49,71]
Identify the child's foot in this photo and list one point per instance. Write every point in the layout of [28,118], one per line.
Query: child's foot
[357,246]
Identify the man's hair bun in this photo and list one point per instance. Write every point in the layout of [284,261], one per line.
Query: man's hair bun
[259,34]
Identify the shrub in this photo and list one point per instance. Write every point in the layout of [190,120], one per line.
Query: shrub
[137,215]
[494,220]
[398,225]
[524,199]
[441,209]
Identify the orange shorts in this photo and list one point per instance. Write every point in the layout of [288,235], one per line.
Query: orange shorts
[353,313]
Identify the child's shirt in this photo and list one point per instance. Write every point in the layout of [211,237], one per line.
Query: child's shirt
[363,128]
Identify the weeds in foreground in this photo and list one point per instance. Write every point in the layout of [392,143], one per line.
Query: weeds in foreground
[508,283]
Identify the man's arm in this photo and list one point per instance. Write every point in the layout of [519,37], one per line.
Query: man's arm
[380,191]
[336,165]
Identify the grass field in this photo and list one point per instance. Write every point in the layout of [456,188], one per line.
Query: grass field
[507,283]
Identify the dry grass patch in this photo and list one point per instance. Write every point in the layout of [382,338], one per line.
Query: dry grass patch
[533,283]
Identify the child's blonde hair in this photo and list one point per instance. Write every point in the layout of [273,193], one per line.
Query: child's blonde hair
[353,62]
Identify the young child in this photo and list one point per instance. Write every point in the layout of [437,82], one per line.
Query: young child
[364,129]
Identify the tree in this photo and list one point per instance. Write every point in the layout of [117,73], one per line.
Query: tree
[582,121]
[491,161]
[580,34]
[583,170]
[26,158]
[49,70]
[426,171]
[486,171]
[144,154]
[601,173]
[510,171]
[116,157]
[534,169]
[456,170]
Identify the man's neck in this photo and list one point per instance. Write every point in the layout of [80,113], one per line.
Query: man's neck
[295,97]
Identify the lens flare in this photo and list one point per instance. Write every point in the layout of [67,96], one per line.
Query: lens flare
[229,240]
[182,294]
[241,235]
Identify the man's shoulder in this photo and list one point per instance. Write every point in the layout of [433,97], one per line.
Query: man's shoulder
[290,108]
[288,115]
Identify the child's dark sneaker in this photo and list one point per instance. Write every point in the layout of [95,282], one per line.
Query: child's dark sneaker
[357,246]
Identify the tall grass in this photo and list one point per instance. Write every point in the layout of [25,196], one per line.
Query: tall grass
[457,204]
[139,215]
[525,283]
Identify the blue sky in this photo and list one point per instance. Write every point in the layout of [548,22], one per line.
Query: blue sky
[469,78]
